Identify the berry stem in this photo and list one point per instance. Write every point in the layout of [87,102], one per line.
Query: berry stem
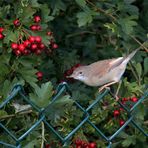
[26,32]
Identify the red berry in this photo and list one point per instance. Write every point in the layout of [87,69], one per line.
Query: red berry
[14,46]
[37,19]
[38,27]
[16,23]
[123,102]
[85,145]
[77,65]
[69,72]
[39,75]
[26,43]
[31,39]
[1,29]
[17,52]
[79,146]
[124,99]
[34,47]
[116,113]
[25,52]
[121,122]
[47,146]
[38,39]
[54,46]
[78,142]
[41,46]
[49,33]
[38,52]
[21,47]
[33,27]
[92,145]
[1,36]
[121,109]
[134,99]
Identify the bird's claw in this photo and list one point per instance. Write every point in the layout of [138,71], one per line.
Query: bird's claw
[116,97]
[103,87]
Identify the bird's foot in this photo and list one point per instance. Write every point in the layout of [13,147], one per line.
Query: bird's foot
[116,97]
[103,87]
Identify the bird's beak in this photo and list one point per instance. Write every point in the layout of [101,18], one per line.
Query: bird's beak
[71,76]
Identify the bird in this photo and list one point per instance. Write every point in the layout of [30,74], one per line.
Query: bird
[103,73]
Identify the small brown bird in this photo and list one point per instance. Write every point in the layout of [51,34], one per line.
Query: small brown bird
[103,73]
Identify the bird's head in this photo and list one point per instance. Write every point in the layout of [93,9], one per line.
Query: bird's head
[79,73]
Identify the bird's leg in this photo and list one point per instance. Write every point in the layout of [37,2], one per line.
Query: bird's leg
[116,94]
[106,85]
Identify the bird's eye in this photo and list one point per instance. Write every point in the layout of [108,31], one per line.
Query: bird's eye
[80,72]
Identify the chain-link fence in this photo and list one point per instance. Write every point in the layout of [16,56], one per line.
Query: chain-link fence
[62,88]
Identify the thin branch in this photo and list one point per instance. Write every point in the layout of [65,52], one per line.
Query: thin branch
[14,115]
[80,33]
[134,73]
[139,42]
[146,122]
[43,135]
[101,10]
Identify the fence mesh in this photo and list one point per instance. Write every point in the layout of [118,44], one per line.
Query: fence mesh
[62,88]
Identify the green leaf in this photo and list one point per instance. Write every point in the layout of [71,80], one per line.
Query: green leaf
[11,36]
[3,113]
[4,11]
[8,85]
[129,1]
[34,3]
[32,144]
[42,95]
[129,140]
[28,12]
[57,109]
[29,75]
[28,61]
[139,69]
[146,65]
[4,71]
[128,24]
[45,11]
[84,18]
[81,2]
[57,5]
[140,114]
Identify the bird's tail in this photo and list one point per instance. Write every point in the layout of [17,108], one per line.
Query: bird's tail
[127,58]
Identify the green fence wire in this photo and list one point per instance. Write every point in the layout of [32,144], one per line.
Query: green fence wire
[62,88]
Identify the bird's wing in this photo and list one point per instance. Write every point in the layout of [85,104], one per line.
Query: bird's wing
[101,68]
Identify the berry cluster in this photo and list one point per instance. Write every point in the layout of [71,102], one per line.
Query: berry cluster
[125,101]
[1,33]
[83,144]
[31,44]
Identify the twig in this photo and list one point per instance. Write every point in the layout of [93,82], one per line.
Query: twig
[17,114]
[80,33]
[43,135]
[139,42]
[101,10]
[146,122]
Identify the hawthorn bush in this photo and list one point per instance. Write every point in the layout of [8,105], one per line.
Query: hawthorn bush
[43,41]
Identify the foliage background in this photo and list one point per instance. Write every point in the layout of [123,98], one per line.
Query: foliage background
[85,31]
